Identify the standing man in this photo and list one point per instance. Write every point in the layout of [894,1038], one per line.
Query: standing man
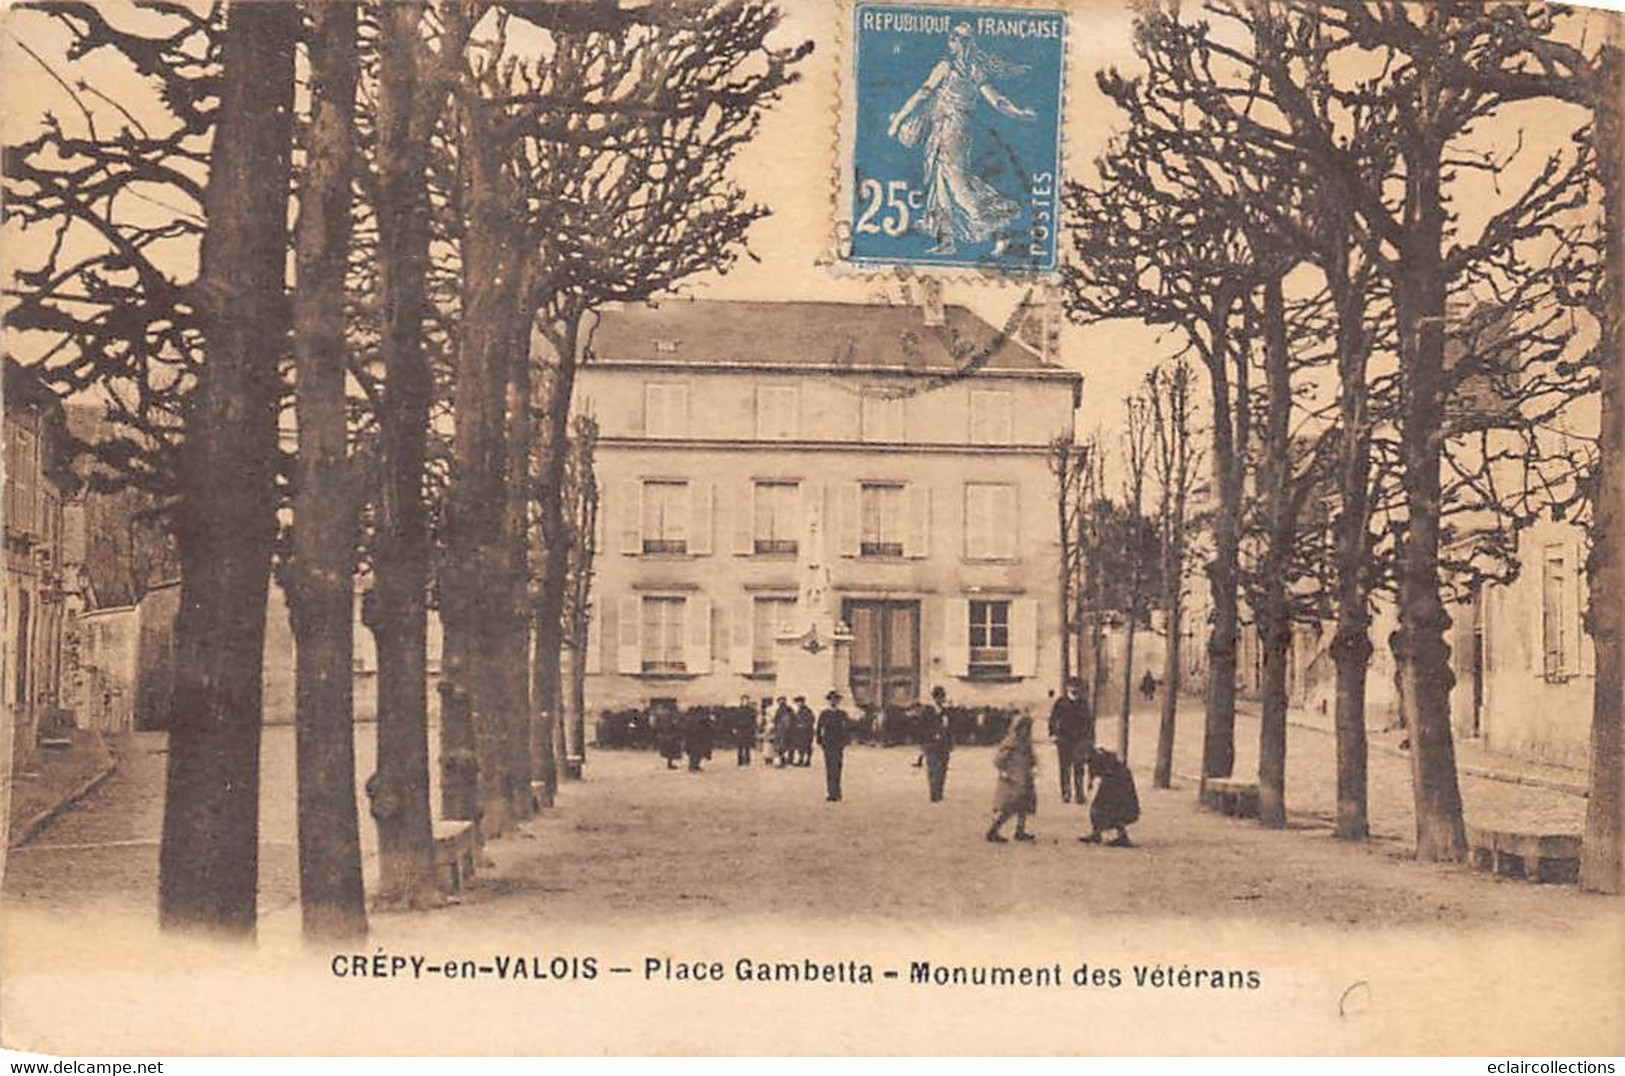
[937,741]
[832,734]
[744,730]
[1072,727]
[697,741]
[802,742]
[783,719]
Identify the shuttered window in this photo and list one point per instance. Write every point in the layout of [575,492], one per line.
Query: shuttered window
[769,616]
[778,412]
[665,517]
[1555,618]
[777,517]
[990,521]
[990,637]
[991,417]
[880,417]
[880,511]
[665,409]
[663,639]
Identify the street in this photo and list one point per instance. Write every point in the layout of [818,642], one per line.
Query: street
[635,839]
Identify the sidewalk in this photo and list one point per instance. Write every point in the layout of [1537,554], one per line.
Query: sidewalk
[48,781]
[1495,790]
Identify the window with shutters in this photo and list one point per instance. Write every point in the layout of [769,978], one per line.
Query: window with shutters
[776,524]
[880,418]
[991,417]
[769,616]
[990,638]
[665,517]
[990,521]
[665,409]
[663,635]
[880,519]
[777,412]
[1554,612]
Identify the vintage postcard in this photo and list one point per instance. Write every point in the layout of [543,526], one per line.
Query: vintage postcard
[774,527]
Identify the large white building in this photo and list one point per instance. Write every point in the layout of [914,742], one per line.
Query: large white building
[922,432]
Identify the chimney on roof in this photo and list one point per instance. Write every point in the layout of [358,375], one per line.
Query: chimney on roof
[1041,323]
[931,302]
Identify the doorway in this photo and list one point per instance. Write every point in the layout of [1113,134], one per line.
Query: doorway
[885,652]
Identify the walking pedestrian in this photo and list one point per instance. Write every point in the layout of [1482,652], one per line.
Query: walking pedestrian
[832,733]
[1015,794]
[805,725]
[1148,686]
[1117,804]
[937,740]
[1072,727]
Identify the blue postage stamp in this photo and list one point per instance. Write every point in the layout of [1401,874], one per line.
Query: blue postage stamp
[955,136]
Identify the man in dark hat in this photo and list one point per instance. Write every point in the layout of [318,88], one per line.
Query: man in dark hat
[803,727]
[832,735]
[783,734]
[1072,727]
[936,741]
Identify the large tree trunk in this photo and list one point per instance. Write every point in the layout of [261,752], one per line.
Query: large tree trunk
[1351,646]
[473,572]
[556,532]
[1602,857]
[397,608]
[226,525]
[1219,733]
[331,895]
[1275,625]
[1163,775]
[1423,654]
[512,650]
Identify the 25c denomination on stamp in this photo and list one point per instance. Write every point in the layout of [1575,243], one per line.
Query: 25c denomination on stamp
[953,152]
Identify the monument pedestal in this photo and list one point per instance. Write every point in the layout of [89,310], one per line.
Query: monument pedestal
[813,662]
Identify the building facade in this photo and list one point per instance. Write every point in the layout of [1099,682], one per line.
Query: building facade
[921,433]
[39,482]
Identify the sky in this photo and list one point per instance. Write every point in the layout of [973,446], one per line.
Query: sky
[792,166]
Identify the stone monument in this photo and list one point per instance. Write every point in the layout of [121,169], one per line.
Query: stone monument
[812,652]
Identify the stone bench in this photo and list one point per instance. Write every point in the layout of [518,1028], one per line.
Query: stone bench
[1536,857]
[456,845]
[1231,796]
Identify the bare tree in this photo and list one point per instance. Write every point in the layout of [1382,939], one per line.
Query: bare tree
[326,496]
[1175,460]
[1068,463]
[1136,460]
[209,858]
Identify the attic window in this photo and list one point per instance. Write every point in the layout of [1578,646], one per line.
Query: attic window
[666,347]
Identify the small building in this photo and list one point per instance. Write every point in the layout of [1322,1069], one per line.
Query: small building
[922,433]
[39,481]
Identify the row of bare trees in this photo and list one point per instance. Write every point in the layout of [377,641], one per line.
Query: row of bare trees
[1394,313]
[468,182]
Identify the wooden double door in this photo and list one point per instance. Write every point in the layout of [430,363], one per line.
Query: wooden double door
[885,651]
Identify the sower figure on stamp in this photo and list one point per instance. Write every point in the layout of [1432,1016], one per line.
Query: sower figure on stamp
[1072,727]
[937,741]
[960,205]
[1015,794]
[832,733]
[804,725]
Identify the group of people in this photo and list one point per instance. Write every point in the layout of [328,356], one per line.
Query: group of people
[1088,774]
[1085,770]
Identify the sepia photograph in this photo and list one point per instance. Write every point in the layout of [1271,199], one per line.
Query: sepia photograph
[812,527]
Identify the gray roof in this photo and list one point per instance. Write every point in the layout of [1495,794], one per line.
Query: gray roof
[707,332]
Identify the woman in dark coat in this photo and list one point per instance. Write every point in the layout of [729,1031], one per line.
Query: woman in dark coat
[697,737]
[1116,804]
[668,731]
